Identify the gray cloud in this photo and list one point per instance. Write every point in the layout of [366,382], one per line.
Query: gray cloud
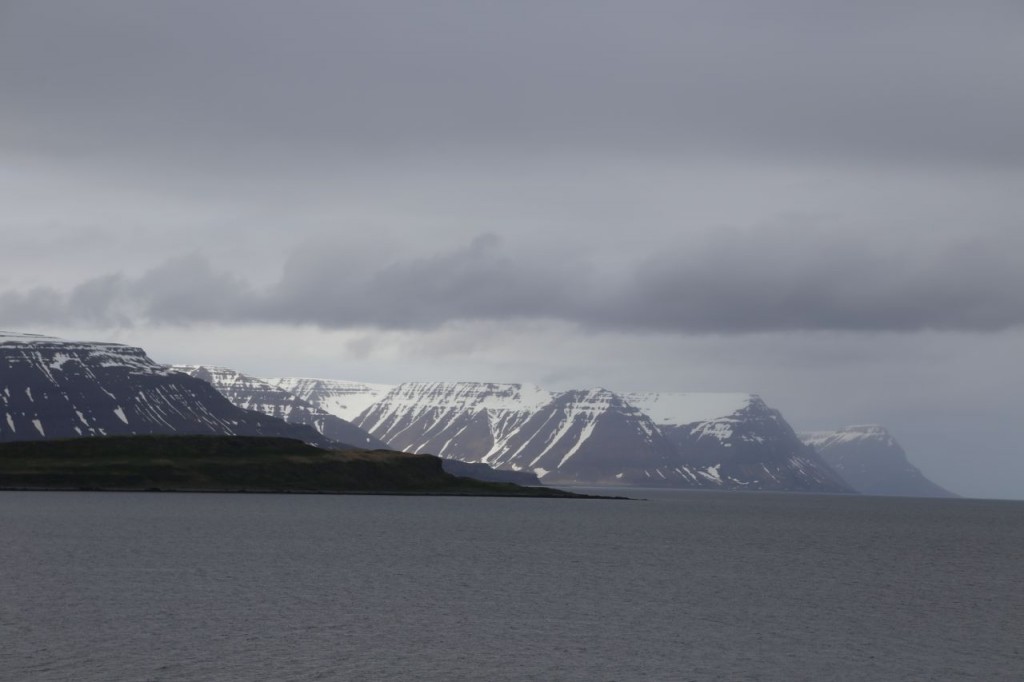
[238,83]
[730,282]
[99,301]
[479,281]
[188,289]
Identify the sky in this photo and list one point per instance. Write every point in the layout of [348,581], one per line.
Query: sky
[819,202]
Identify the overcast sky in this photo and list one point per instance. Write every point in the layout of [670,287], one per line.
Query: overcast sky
[821,202]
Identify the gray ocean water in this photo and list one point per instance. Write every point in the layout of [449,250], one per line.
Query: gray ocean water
[684,586]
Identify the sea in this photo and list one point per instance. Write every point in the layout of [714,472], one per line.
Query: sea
[676,586]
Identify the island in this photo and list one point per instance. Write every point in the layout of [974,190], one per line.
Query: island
[235,464]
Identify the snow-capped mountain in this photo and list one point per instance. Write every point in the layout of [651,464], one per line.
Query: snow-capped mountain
[872,462]
[739,439]
[52,388]
[257,395]
[598,437]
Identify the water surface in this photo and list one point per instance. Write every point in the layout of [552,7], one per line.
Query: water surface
[683,586]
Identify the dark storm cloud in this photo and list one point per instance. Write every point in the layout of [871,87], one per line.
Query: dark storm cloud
[729,282]
[329,82]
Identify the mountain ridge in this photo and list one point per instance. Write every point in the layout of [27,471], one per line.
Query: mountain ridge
[596,436]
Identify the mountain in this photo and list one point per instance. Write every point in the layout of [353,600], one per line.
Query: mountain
[739,439]
[53,388]
[593,436]
[257,395]
[872,462]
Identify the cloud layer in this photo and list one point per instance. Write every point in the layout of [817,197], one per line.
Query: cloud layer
[781,279]
[919,83]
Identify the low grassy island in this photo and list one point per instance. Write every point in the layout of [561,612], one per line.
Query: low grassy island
[233,464]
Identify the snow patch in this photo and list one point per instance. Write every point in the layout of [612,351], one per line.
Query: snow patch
[59,359]
[712,473]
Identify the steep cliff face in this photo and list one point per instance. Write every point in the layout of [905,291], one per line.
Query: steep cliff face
[872,462]
[52,388]
[250,393]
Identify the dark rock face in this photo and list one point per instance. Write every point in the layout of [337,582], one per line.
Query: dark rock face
[872,462]
[250,393]
[50,388]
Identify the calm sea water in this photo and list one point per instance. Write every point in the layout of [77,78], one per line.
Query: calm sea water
[684,586]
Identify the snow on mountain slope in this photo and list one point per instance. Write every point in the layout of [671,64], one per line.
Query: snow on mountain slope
[872,462]
[594,436]
[453,417]
[250,393]
[748,444]
[52,388]
[345,399]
